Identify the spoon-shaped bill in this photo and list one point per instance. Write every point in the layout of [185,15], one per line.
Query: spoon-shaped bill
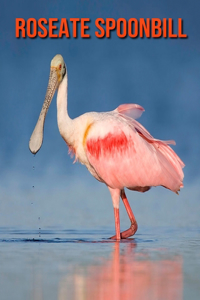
[36,139]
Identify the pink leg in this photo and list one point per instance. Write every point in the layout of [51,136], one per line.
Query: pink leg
[115,195]
[133,228]
[117,224]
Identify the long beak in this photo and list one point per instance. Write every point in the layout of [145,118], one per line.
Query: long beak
[36,139]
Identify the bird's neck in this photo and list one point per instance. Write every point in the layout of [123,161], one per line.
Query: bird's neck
[63,119]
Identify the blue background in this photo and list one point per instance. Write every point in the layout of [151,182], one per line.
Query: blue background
[162,75]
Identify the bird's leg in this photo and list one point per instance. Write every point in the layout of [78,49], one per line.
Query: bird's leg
[115,194]
[133,228]
[117,224]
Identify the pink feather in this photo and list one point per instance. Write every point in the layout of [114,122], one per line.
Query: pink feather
[128,156]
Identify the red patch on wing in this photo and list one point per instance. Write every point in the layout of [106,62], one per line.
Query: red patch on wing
[110,144]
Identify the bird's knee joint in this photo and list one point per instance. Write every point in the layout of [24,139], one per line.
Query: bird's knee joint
[134,226]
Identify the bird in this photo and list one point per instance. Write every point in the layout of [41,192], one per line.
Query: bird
[115,148]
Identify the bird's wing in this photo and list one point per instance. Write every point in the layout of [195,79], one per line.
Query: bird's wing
[131,110]
[160,144]
[124,154]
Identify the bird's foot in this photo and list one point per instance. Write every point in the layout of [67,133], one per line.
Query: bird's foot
[127,233]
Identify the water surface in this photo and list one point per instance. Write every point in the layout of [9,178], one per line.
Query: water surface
[159,263]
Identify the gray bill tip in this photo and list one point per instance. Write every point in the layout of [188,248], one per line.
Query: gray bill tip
[34,149]
[36,139]
[35,145]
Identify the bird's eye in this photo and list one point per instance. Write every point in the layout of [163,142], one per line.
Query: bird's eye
[60,66]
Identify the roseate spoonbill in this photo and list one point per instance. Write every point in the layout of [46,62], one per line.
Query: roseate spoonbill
[115,148]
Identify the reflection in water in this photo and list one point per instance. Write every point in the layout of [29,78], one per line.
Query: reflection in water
[126,275]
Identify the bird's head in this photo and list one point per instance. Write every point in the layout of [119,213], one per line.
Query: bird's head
[57,73]
[58,66]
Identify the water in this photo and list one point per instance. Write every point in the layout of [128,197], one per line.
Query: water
[159,263]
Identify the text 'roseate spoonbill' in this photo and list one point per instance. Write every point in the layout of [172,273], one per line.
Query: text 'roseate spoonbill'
[115,148]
